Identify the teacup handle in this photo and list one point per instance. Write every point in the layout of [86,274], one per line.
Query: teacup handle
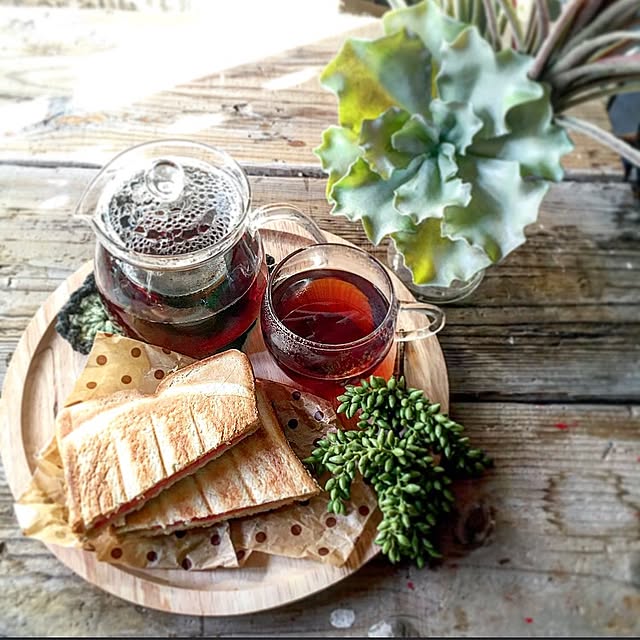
[285,212]
[435,314]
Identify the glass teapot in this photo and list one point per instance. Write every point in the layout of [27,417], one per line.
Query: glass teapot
[179,261]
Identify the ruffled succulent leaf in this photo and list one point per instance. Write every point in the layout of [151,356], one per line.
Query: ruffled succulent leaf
[492,83]
[338,151]
[457,123]
[501,205]
[438,132]
[416,137]
[432,188]
[428,22]
[370,76]
[363,195]
[435,260]
[534,140]
[376,136]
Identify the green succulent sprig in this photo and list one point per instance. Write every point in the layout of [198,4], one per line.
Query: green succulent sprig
[409,451]
[83,316]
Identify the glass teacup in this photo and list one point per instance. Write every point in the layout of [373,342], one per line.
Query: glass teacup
[329,317]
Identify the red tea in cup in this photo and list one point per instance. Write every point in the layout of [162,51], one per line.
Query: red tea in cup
[329,317]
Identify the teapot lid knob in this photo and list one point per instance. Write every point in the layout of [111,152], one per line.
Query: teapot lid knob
[165,179]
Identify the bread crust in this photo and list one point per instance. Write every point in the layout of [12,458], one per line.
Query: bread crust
[119,451]
[259,474]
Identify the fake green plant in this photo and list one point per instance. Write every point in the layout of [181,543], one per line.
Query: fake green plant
[447,141]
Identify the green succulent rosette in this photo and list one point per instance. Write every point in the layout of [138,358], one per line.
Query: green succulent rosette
[444,145]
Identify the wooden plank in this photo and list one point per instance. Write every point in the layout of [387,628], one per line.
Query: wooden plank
[546,544]
[69,93]
[558,319]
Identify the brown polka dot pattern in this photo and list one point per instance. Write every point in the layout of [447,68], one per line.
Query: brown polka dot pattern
[187,564]
[261,536]
[125,379]
[323,551]
[215,540]
[330,522]
[92,385]
[158,374]
[116,553]
[292,424]
[296,530]
[101,360]
[152,556]
[296,395]
[240,554]
[135,352]
[363,510]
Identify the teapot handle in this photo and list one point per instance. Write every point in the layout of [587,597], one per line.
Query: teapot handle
[282,211]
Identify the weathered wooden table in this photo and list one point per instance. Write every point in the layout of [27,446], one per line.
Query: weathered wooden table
[544,359]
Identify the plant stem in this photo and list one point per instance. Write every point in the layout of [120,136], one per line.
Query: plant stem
[585,49]
[555,35]
[600,135]
[616,15]
[531,27]
[585,15]
[586,94]
[597,70]
[492,24]
[543,18]
[514,22]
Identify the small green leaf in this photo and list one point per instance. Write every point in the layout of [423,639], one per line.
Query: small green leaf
[363,195]
[416,137]
[428,22]
[370,76]
[338,151]
[471,72]
[501,205]
[435,260]
[457,123]
[376,136]
[431,190]
[534,141]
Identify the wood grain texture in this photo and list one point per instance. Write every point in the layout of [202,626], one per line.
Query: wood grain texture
[73,97]
[42,374]
[559,546]
[558,319]
[544,357]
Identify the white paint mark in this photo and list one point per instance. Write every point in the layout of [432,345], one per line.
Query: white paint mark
[511,340]
[342,618]
[292,79]
[55,202]
[629,265]
[194,123]
[381,630]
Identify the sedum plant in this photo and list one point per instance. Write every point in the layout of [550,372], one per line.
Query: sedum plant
[447,141]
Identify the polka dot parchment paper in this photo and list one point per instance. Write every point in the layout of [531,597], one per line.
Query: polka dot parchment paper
[301,530]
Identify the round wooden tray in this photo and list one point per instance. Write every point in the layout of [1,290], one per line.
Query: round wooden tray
[42,373]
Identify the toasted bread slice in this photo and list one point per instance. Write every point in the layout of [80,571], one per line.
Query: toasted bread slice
[261,473]
[119,452]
